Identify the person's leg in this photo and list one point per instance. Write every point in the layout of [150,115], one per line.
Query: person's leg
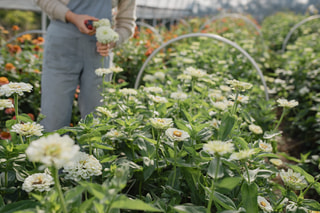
[60,77]
[90,84]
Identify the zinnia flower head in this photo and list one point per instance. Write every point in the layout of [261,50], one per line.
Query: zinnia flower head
[128,91]
[218,147]
[276,162]
[102,22]
[221,105]
[14,87]
[177,134]
[158,99]
[116,69]
[238,85]
[293,179]
[160,76]
[28,129]
[38,182]
[106,35]
[153,89]
[287,104]
[53,150]
[241,98]
[161,123]
[242,154]
[266,147]
[102,71]
[114,134]
[255,129]
[179,96]
[83,166]
[264,204]
[105,111]
[5,103]
[196,73]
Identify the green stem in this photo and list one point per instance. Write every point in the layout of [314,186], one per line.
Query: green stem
[59,190]
[6,178]
[16,108]
[175,163]
[213,185]
[247,170]
[281,118]
[235,105]
[157,149]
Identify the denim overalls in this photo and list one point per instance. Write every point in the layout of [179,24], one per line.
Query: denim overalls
[70,59]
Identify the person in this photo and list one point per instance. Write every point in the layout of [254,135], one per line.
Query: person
[72,54]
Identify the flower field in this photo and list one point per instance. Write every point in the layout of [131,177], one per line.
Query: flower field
[197,135]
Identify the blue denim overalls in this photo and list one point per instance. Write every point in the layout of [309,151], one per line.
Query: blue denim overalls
[70,59]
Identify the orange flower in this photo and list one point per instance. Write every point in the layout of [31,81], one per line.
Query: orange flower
[39,40]
[36,71]
[16,49]
[37,48]
[4,80]
[20,39]
[9,66]
[5,135]
[148,52]
[15,28]
[9,111]
[31,116]
[27,37]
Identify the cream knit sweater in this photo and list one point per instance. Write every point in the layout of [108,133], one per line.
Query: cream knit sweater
[124,19]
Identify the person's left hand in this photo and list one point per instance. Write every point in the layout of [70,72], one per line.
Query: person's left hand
[103,49]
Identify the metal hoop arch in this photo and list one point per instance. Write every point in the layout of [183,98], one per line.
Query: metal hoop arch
[23,33]
[139,23]
[213,36]
[286,40]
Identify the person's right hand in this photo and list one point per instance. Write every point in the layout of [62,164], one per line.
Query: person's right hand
[78,20]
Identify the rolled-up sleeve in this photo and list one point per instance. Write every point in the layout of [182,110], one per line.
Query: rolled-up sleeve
[125,20]
[53,8]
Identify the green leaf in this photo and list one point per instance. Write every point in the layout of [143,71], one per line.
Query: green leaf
[307,176]
[188,208]
[317,187]
[311,204]
[240,141]
[109,158]
[100,146]
[124,202]
[18,206]
[74,194]
[229,183]
[85,205]
[148,139]
[212,168]
[1,202]
[187,115]
[290,157]
[226,126]
[249,194]
[99,207]
[224,201]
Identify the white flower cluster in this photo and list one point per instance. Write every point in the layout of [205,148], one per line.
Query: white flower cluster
[52,150]
[238,85]
[179,96]
[161,123]
[242,154]
[153,89]
[105,111]
[128,91]
[157,99]
[82,167]
[102,71]
[177,134]
[196,73]
[28,129]
[218,147]
[255,129]
[293,179]
[38,182]
[287,104]
[13,87]
[104,33]
[5,103]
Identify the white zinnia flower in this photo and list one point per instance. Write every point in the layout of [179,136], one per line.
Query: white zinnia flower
[179,96]
[215,123]
[116,69]
[218,147]
[221,105]
[160,76]
[102,22]
[83,167]
[38,182]
[5,103]
[293,180]
[242,154]
[149,78]
[114,134]
[153,89]
[184,77]
[158,99]
[255,129]
[287,104]
[52,150]
[102,71]
[241,98]
[128,91]
[276,162]
[13,87]
[264,204]
[225,88]
[28,129]
[105,111]
[196,73]
[161,123]
[177,134]
[106,35]
[266,147]
[238,85]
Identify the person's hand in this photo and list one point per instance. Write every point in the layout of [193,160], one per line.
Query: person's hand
[78,20]
[103,49]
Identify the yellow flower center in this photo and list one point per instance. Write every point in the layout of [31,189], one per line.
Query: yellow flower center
[263,203]
[37,181]
[293,178]
[160,120]
[53,151]
[177,133]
